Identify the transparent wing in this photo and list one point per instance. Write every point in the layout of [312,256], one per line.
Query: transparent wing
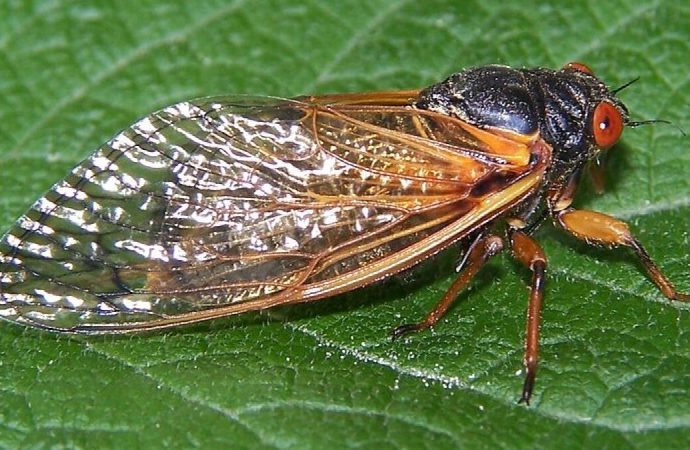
[224,205]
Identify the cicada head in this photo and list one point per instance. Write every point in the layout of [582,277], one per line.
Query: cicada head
[582,116]
[570,109]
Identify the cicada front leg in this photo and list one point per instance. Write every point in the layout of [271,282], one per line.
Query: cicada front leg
[599,229]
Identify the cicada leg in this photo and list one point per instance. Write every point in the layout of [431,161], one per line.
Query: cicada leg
[597,173]
[597,228]
[528,252]
[481,250]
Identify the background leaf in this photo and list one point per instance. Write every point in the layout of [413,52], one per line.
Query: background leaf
[615,367]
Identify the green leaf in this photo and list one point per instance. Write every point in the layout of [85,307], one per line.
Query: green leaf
[615,354]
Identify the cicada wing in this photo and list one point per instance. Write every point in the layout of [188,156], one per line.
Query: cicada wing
[223,205]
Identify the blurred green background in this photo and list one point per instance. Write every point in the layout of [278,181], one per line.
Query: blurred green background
[615,369]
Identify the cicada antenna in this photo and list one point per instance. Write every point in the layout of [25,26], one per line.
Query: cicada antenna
[625,85]
[637,123]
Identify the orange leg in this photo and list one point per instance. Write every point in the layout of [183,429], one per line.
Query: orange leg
[597,174]
[481,250]
[598,228]
[528,252]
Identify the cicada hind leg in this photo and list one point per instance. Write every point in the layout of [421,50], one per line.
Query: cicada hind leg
[481,250]
[530,254]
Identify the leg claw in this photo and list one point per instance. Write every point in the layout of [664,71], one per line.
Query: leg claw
[402,330]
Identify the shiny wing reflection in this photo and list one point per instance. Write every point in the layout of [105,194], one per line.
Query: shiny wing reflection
[243,202]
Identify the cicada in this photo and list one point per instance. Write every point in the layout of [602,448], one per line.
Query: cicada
[225,205]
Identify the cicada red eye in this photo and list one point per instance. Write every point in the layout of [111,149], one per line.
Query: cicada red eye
[607,125]
[584,68]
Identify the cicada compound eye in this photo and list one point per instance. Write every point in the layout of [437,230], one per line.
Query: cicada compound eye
[580,67]
[607,125]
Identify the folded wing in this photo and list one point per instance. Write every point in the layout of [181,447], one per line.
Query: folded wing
[224,205]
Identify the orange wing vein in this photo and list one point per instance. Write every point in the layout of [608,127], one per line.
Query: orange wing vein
[225,205]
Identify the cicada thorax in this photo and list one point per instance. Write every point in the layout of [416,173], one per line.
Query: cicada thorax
[570,109]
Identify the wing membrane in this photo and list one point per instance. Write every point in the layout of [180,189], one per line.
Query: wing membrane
[224,205]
